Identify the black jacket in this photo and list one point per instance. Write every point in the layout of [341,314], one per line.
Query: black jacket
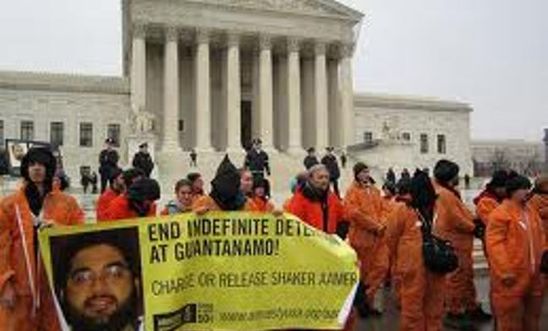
[330,162]
[310,161]
[257,161]
[108,161]
[144,162]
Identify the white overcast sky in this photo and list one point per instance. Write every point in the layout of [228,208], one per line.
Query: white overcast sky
[492,54]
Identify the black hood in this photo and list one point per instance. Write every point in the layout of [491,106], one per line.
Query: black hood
[226,186]
[144,189]
[42,156]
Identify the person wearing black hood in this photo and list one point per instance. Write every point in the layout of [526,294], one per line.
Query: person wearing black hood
[456,224]
[108,162]
[25,299]
[142,160]
[137,201]
[226,193]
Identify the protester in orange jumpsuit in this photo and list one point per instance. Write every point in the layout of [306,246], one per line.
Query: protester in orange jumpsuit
[261,196]
[315,204]
[226,193]
[515,245]
[197,185]
[493,195]
[422,292]
[183,199]
[138,201]
[456,224]
[25,299]
[364,210]
[116,187]
[539,201]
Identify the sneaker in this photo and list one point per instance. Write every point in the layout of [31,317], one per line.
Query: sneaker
[479,315]
[458,322]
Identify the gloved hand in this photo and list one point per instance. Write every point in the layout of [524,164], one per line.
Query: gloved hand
[479,230]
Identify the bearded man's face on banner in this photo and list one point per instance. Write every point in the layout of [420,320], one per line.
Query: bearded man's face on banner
[101,290]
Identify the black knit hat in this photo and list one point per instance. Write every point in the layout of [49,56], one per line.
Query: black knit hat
[446,170]
[41,155]
[144,189]
[499,179]
[517,183]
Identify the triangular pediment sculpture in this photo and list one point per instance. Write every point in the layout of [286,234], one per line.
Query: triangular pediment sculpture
[308,7]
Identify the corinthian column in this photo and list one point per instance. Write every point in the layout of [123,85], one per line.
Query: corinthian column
[171,92]
[320,97]
[233,93]
[265,92]
[294,96]
[203,102]
[138,69]
[347,95]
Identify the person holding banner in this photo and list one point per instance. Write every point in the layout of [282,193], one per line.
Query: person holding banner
[314,203]
[226,193]
[25,300]
[420,291]
[138,201]
[183,201]
[197,185]
[364,210]
[261,196]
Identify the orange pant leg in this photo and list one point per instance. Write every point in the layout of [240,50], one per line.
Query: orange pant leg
[19,318]
[412,288]
[461,291]
[517,313]
[377,269]
[433,301]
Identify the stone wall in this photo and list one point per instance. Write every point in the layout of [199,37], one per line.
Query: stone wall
[390,118]
[46,98]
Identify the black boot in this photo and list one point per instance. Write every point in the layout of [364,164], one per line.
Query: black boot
[458,322]
[479,315]
[360,301]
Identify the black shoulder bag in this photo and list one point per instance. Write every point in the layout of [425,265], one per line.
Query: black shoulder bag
[439,255]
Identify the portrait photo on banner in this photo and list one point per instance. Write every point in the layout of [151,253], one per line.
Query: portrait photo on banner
[97,279]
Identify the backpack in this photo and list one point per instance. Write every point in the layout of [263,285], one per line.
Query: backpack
[439,255]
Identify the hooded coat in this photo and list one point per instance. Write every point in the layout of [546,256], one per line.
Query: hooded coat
[20,216]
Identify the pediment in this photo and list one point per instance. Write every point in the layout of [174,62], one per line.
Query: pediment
[305,7]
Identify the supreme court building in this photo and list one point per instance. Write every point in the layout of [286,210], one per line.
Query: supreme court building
[211,75]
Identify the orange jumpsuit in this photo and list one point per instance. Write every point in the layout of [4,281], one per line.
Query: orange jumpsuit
[263,205]
[485,204]
[119,209]
[364,211]
[422,292]
[103,203]
[20,265]
[211,205]
[539,202]
[311,212]
[456,224]
[515,243]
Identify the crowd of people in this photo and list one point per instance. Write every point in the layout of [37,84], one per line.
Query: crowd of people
[392,229]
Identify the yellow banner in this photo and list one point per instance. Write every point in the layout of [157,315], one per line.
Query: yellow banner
[220,271]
